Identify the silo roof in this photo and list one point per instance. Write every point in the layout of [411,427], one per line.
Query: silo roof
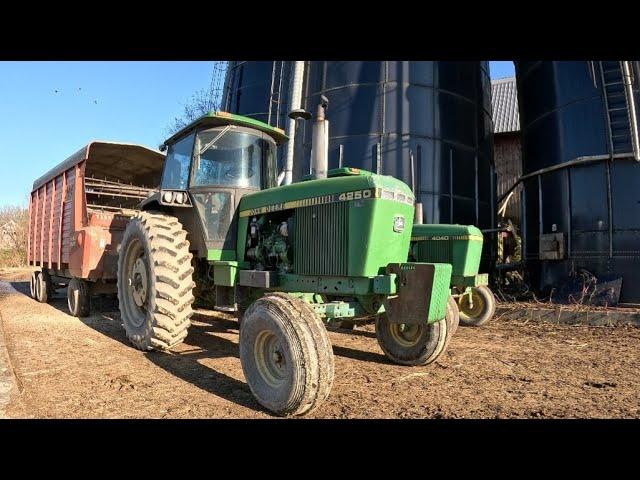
[504,105]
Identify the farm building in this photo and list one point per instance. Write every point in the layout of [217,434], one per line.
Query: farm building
[507,146]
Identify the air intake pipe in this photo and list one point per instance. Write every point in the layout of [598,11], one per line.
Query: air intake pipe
[320,141]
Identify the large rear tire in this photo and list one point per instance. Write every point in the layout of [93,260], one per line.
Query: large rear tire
[482,308]
[155,283]
[417,344]
[79,298]
[286,355]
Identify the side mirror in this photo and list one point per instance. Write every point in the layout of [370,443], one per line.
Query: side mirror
[162,148]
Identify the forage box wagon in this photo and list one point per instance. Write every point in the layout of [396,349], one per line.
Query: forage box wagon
[77,214]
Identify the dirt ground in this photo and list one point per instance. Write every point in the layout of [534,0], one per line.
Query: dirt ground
[72,368]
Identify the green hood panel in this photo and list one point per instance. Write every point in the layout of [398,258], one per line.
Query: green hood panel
[313,189]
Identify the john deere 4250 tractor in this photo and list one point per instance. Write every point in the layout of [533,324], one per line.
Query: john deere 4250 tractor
[292,257]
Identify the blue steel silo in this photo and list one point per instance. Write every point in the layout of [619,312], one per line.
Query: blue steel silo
[581,175]
[381,114]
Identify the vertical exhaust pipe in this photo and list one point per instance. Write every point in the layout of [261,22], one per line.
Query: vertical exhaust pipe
[294,106]
[320,141]
[417,216]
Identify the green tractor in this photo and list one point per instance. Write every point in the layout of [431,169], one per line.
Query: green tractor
[461,246]
[292,258]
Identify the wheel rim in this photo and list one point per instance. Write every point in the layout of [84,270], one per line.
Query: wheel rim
[478,304]
[406,335]
[270,359]
[137,281]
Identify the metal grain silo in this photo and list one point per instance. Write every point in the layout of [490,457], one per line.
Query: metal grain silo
[581,195]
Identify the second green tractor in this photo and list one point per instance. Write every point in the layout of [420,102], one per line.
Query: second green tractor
[460,246]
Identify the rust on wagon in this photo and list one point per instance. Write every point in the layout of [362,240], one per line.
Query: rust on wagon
[79,209]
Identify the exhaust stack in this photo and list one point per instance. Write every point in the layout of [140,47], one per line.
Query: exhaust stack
[418,215]
[320,141]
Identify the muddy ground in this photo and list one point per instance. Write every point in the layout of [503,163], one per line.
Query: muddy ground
[72,368]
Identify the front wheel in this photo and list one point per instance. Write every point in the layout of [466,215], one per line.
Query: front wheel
[453,316]
[286,355]
[411,344]
[480,309]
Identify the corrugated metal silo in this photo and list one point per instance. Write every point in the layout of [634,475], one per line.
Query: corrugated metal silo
[581,196]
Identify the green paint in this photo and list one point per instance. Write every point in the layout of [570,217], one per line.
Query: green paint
[335,286]
[225,273]
[440,292]
[459,245]
[463,282]
[216,254]
[372,241]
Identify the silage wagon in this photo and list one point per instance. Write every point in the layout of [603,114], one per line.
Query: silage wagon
[78,212]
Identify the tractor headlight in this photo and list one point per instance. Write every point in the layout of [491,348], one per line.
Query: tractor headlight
[180,197]
[168,197]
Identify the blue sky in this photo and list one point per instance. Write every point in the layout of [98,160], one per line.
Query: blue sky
[120,101]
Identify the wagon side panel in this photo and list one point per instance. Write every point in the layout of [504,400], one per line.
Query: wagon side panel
[68,207]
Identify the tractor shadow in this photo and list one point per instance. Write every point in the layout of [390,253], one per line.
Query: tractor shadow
[202,343]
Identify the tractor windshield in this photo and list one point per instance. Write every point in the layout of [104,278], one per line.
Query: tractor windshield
[232,156]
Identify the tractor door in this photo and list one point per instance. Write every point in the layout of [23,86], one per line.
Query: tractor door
[228,163]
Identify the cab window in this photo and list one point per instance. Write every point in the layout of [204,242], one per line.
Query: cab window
[230,156]
[176,169]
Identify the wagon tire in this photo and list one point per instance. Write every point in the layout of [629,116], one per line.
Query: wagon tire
[43,287]
[33,284]
[79,298]
[483,309]
[286,355]
[412,345]
[155,281]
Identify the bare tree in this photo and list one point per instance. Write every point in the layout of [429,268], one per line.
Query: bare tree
[14,229]
[200,103]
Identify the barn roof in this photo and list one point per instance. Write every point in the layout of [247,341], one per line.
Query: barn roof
[504,104]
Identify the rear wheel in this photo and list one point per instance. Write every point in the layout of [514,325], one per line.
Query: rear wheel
[415,344]
[155,281]
[480,309]
[43,287]
[79,298]
[286,355]
[33,285]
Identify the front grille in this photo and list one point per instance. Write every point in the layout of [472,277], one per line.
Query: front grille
[321,239]
[434,251]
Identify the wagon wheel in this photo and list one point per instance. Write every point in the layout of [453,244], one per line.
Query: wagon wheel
[79,298]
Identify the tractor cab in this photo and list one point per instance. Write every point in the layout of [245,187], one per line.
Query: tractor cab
[211,164]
